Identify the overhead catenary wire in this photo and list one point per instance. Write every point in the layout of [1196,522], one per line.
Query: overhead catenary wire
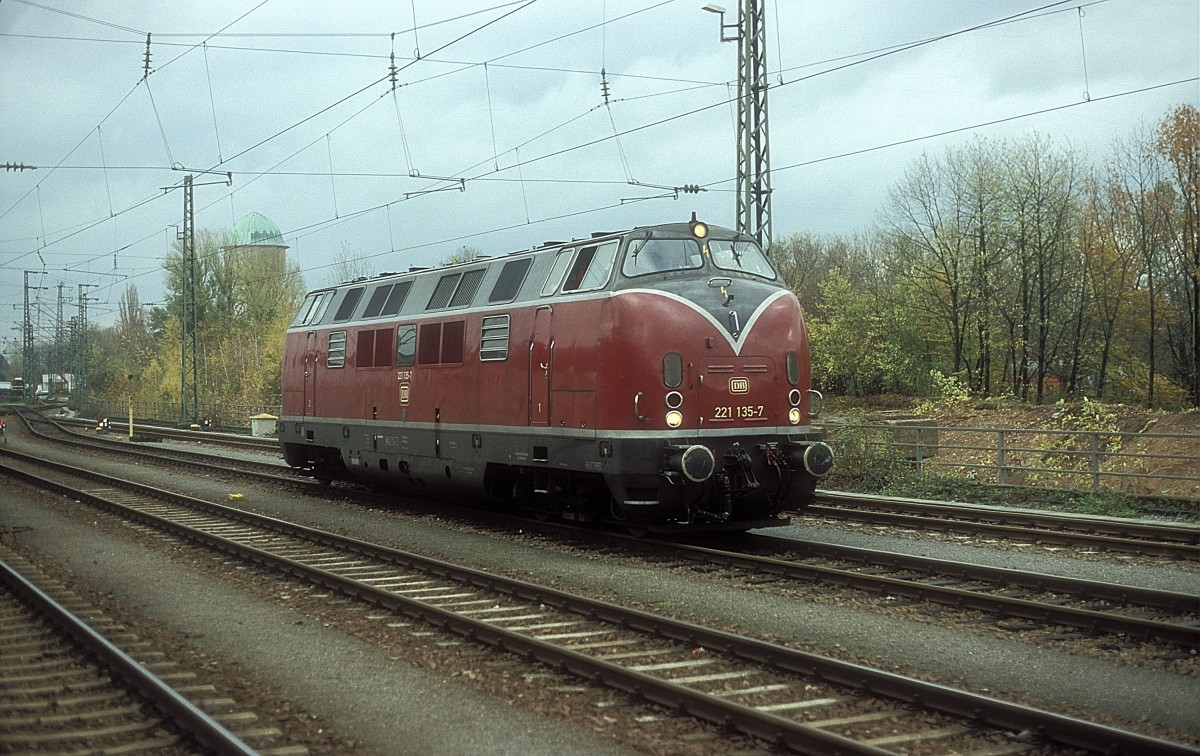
[464,64]
[519,165]
[522,6]
[487,85]
[107,186]
[41,218]
[493,62]
[415,26]
[322,225]
[521,178]
[71,152]
[192,48]
[158,118]
[145,79]
[1083,54]
[80,16]
[369,86]
[212,103]
[392,72]
[332,181]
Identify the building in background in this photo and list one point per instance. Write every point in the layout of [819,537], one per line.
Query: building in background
[255,232]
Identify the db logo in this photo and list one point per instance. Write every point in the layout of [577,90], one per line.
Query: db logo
[739,386]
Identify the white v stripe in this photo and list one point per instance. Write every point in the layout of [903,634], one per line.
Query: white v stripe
[734,344]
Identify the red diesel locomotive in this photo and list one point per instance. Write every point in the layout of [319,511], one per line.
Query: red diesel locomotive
[656,378]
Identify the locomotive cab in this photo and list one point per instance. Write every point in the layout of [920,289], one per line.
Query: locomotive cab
[715,358]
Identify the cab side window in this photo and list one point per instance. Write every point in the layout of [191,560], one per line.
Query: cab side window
[592,267]
[561,262]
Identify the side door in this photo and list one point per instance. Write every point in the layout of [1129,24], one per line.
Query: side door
[311,355]
[541,362]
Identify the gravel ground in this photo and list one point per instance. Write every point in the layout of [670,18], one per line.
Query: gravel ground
[371,700]
[1139,697]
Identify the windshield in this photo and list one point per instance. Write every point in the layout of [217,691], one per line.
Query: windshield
[743,256]
[658,255]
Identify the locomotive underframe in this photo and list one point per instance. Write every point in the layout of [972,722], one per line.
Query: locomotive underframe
[629,477]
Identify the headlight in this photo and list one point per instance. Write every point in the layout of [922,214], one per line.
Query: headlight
[794,416]
[674,419]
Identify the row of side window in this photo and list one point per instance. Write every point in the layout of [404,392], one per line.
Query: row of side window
[575,269]
[457,289]
[428,344]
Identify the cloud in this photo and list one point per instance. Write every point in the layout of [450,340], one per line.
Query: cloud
[276,99]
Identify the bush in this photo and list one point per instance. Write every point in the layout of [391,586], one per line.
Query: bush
[947,394]
[866,455]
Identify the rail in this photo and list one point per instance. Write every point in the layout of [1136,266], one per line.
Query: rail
[192,718]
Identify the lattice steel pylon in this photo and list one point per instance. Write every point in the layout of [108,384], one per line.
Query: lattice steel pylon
[189,390]
[28,369]
[189,374]
[754,149]
[59,333]
[753,191]
[81,370]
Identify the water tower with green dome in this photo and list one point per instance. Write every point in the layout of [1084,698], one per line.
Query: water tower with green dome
[256,230]
[256,238]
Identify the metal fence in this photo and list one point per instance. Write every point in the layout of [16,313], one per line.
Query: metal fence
[1139,463]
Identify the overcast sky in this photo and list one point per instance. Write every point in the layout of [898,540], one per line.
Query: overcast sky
[293,97]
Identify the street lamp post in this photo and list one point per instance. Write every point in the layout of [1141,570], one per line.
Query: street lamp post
[720,10]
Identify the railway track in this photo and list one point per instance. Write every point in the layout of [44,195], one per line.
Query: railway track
[222,464]
[1173,540]
[148,431]
[1170,540]
[1019,601]
[789,698]
[66,687]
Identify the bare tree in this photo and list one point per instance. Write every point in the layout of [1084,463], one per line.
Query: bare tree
[1140,176]
[348,265]
[944,219]
[1178,142]
[1111,265]
[930,249]
[464,254]
[1042,202]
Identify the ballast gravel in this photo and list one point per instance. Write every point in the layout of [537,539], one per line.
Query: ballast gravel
[1144,699]
[375,702]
